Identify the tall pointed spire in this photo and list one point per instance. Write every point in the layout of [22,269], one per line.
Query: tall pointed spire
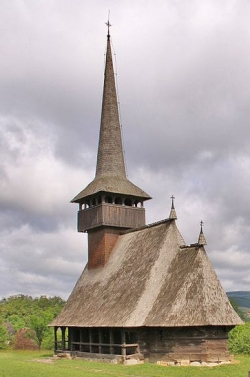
[110,167]
[110,158]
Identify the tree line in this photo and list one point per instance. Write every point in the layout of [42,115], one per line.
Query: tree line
[34,314]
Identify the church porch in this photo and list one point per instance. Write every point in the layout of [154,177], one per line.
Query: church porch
[97,343]
[170,346]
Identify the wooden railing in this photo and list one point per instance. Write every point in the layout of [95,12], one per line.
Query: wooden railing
[110,215]
[61,346]
[125,349]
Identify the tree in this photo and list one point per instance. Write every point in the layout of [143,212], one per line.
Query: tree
[39,323]
[239,339]
[22,311]
[4,336]
[17,321]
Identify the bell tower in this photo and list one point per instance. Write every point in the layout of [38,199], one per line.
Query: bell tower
[111,203]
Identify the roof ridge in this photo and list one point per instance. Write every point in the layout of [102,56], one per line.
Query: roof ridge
[148,226]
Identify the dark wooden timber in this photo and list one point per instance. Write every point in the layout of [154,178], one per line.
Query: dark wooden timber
[206,343]
[110,215]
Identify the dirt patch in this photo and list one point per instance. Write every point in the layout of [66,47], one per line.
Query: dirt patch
[47,360]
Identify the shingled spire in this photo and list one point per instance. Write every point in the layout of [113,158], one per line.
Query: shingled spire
[110,204]
[110,168]
[202,239]
[172,214]
[110,158]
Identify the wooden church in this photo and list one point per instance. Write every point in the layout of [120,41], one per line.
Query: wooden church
[144,294]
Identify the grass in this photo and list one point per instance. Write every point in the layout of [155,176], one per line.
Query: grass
[39,364]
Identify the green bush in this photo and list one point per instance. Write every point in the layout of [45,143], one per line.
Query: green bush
[48,340]
[239,339]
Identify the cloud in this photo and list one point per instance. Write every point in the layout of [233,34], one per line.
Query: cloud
[37,262]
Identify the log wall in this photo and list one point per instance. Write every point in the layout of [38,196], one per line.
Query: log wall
[165,345]
[202,344]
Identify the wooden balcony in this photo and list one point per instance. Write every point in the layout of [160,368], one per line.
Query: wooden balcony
[110,215]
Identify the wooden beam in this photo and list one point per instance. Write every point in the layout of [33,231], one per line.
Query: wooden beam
[124,352]
[63,338]
[90,340]
[111,341]
[100,340]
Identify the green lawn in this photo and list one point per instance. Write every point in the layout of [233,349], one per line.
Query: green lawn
[39,364]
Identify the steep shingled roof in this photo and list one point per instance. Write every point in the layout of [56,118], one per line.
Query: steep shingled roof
[150,280]
[111,184]
[110,166]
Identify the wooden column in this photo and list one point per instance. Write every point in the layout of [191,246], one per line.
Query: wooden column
[90,340]
[111,341]
[81,340]
[123,344]
[55,338]
[63,338]
[69,339]
[100,340]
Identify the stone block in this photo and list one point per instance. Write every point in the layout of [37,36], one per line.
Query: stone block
[195,364]
[185,362]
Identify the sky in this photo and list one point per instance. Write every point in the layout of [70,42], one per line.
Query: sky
[183,79]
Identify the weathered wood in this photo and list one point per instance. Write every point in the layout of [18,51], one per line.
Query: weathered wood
[90,341]
[63,339]
[173,344]
[110,215]
[106,344]
[55,338]
[111,341]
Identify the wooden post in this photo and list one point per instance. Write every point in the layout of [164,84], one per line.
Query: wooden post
[81,340]
[111,341]
[63,338]
[100,340]
[69,339]
[123,344]
[90,340]
[55,338]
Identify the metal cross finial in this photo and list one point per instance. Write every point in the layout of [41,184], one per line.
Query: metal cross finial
[202,239]
[172,197]
[108,24]
[172,214]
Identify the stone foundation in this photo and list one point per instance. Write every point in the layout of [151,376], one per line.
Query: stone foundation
[192,363]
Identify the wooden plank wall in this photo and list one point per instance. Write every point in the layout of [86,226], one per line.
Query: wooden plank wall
[208,344]
[111,215]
